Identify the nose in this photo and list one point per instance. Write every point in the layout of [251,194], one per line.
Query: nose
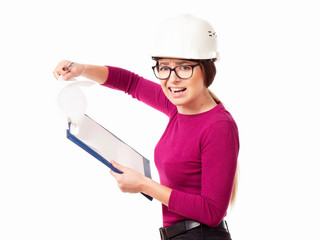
[173,77]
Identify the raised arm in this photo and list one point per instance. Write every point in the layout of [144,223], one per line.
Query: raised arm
[95,73]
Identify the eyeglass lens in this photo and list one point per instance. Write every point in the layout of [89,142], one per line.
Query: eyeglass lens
[183,71]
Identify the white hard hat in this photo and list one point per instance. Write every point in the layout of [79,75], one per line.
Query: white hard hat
[187,37]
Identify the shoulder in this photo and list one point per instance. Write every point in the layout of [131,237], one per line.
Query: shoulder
[219,117]
[219,124]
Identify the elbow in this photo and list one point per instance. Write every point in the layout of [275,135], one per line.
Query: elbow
[213,215]
[213,222]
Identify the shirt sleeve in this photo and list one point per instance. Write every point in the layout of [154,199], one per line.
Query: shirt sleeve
[219,153]
[139,88]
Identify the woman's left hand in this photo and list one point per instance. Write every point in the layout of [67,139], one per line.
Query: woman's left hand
[130,180]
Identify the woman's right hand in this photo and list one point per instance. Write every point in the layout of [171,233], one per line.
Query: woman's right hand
[74,70]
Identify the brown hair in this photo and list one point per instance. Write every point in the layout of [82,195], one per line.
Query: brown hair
[209,71]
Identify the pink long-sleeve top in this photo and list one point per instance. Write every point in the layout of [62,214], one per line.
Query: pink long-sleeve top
[196,155]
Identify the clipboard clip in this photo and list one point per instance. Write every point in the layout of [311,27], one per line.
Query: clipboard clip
[72,125]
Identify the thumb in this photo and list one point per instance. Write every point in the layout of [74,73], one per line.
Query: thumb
[68,75]
[118,166]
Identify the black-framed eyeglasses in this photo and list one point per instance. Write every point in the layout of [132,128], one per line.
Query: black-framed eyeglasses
[182,71]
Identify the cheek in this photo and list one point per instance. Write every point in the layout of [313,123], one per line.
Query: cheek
[197,85]
[163,86]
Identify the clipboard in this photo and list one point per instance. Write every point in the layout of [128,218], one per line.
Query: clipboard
[102,144]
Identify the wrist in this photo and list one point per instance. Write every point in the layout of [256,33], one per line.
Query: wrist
[145,184]
[84,69]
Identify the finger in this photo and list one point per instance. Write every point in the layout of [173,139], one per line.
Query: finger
[115,175]
[57,72]
[118,166]
[59,68]
[56,75]
[67,68]
[68,75]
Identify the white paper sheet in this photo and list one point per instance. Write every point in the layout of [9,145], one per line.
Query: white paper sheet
[108,145]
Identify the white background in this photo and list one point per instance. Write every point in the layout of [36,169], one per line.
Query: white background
[51,189]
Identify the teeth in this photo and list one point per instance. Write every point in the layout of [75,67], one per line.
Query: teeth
[177,89]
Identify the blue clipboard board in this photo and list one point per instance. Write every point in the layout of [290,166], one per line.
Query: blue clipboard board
[98,156]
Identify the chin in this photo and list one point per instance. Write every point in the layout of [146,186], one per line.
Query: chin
[177,102]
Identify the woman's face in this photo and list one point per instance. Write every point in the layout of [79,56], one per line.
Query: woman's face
[189,95]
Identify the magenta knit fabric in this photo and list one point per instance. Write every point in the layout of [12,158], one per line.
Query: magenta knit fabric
[196,156]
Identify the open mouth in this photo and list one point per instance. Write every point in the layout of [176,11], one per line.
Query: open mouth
[177,90]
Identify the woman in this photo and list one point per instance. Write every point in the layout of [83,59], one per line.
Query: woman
[197,155]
